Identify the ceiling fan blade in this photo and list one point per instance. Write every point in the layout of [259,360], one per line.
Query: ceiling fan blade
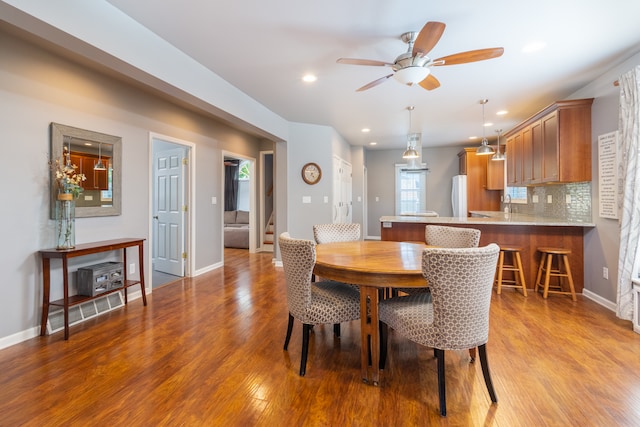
[430,82]
[354,61]
[470,56]
[374,83]
[428,37]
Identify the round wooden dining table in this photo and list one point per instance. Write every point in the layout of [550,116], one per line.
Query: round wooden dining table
[372,265]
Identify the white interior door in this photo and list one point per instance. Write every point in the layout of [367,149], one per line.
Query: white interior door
[168,212]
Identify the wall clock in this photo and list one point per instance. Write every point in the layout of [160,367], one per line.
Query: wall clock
[311,173]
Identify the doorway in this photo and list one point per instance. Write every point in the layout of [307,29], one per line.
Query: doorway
[170,197]
[240,235]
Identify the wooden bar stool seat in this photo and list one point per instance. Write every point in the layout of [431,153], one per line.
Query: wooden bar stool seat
[515,268]
[562,270]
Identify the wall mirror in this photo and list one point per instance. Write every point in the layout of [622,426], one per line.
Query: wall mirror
[99,157]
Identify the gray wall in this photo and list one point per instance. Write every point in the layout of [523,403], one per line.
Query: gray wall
[443,165]
[603,243]
[318,144]
[38,87]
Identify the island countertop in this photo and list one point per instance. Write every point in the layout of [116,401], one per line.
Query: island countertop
[529,232]
[489,217]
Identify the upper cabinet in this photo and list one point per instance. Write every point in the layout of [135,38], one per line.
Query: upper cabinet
[554,145]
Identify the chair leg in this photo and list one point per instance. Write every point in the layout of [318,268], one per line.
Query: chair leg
[485,372]
[289,329]
[441,384]
[305,348]
[384,339]
[336,329]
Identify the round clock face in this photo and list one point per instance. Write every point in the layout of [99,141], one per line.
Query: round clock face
[311,173]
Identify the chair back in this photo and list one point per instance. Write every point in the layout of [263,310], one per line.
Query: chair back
[451,237]
[328,233]
[461,281]
[298,260]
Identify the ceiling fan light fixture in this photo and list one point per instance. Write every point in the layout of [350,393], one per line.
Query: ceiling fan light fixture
[411,75]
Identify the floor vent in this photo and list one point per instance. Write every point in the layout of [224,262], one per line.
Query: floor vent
[80,313]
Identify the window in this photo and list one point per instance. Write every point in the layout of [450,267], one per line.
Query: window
[243,171]
[517,194]
[411,190]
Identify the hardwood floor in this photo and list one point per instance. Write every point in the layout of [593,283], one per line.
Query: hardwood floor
[208,351]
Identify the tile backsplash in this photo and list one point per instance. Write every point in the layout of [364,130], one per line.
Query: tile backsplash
[564,201]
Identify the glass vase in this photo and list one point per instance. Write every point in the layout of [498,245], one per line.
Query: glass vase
[65,221]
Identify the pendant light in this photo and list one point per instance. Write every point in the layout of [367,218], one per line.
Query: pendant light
[498,156]
[484,149]
[412,138]
[99,166]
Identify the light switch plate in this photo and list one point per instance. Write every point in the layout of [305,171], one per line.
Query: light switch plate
[306,199]
[549,198]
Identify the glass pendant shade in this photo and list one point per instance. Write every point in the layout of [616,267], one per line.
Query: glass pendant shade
[411,75]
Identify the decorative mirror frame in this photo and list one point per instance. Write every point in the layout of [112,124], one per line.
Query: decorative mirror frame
[58,134]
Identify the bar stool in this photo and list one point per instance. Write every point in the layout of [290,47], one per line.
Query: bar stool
[546,266]
[515,267]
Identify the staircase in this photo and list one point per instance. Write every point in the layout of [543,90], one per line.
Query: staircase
[267,239]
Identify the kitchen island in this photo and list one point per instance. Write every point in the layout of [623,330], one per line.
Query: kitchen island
[528,231]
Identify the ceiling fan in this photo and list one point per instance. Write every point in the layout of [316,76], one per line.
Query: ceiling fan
[413,66]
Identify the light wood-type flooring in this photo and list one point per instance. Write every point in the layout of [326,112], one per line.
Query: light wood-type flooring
[207,351]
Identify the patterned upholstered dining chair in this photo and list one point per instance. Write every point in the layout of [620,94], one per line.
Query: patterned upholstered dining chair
[329,233]
[451,237]
[339,232]
[446,237]
[313,302]
[454,315]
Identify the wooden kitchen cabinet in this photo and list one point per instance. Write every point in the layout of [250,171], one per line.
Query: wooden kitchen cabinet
[495,172]
[554,145]
[479,196]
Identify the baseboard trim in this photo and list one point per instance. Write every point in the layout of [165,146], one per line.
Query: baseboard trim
[599,300]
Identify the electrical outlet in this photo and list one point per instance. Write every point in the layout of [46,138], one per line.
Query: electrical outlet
[605,273]
[132,268]
[549,198]
[567,198]
[534,198]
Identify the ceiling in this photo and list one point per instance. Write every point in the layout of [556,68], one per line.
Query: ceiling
[264,48]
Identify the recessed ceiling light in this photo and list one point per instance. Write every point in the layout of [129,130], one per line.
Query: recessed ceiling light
[533,47]
[473,137]
[488,124]
[373,143]
[309,78]
[365,130]
[501,112]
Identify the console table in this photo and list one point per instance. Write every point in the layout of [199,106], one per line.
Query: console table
[81,250]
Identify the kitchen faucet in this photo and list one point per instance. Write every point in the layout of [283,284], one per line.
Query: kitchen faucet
[507,202]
